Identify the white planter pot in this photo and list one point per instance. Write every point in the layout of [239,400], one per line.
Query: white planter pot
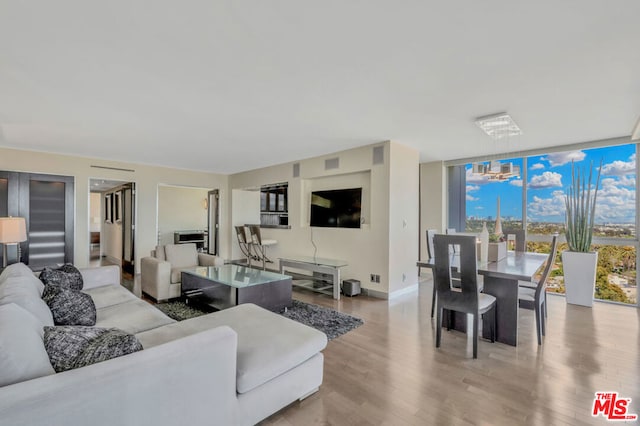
[580,276]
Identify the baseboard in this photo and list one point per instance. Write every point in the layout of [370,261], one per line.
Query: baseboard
[403,291]
[375,293]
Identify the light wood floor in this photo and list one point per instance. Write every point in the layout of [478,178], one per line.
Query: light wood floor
[388,372]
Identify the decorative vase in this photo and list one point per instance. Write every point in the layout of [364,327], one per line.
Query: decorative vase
[497,251]
[579,276]
[484,243]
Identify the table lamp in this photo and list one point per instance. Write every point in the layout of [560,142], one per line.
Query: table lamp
[13,230]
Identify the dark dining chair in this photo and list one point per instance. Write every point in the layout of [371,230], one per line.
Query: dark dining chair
[430,253]
[467,299]
[536,299]
[520,241]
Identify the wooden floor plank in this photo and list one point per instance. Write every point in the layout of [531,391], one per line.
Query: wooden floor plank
[388,371]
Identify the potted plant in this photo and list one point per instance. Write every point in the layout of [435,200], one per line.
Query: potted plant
[579,262]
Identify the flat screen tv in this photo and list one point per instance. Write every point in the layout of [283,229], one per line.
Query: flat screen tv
[338,208]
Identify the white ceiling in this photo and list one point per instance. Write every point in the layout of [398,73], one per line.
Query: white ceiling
[232,85]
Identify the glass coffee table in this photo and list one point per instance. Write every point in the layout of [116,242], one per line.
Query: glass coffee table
[221,287]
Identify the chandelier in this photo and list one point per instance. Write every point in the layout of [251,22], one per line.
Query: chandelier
[497,126]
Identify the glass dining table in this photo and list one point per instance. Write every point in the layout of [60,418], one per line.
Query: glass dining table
[501,281]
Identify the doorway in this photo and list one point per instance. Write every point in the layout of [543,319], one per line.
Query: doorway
[112,217]
[213,223]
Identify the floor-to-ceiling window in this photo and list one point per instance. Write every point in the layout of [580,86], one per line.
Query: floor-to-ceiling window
[535,197]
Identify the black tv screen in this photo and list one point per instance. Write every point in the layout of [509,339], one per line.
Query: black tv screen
[338,208]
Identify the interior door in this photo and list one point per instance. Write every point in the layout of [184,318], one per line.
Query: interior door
[46,202]
[128,201]
[213,222]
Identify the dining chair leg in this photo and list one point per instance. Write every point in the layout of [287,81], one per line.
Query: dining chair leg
[545,304]
[433,300]
[439,327]
[538,324]
[543,321]
[475,335]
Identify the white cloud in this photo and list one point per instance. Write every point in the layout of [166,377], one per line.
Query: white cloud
[471,198]
[471,188]
[615,203]
[560,158]
[620,168]
[516,182]
[545,207]
[546,180]
[479,208]
[627,181]
[537,166]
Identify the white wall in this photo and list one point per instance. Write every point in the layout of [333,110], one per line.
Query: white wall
[433,201]
[404,218]
[180,209]
[147,179]
[366,249]
[246,211]
[95,212]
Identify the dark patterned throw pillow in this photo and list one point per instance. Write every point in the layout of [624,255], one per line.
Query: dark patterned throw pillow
[69,307]
[72,347]
[66,276]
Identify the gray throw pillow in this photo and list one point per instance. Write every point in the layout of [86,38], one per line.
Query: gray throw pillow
[69,307]
[72,347]
[67,276]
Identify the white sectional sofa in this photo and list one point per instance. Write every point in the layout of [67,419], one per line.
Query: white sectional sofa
[233,367]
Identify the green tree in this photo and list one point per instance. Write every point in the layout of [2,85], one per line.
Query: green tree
[607,291]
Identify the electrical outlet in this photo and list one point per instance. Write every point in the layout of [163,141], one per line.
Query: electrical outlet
[373,278]
[376,278]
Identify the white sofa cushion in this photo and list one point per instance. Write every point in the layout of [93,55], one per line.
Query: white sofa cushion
[29,280]
[14,290]
[181,255]
[158,253]
[22,272]
[15,270]
[22,353]
[24,284]
[133,317]
[268,344]
[176,274]
[109,295]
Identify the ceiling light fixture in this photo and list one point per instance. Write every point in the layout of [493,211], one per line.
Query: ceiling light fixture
[497,126]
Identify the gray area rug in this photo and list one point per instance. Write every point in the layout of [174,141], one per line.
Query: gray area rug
[332,323]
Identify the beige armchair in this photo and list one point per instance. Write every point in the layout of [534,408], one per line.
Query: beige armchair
[161,272]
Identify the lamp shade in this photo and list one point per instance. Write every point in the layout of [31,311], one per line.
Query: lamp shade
[12,230]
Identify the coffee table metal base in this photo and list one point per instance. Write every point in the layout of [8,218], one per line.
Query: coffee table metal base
[274,296]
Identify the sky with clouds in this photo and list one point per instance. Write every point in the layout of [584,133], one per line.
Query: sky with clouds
[549,177]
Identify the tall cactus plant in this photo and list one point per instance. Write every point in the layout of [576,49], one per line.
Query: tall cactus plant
[580,203]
